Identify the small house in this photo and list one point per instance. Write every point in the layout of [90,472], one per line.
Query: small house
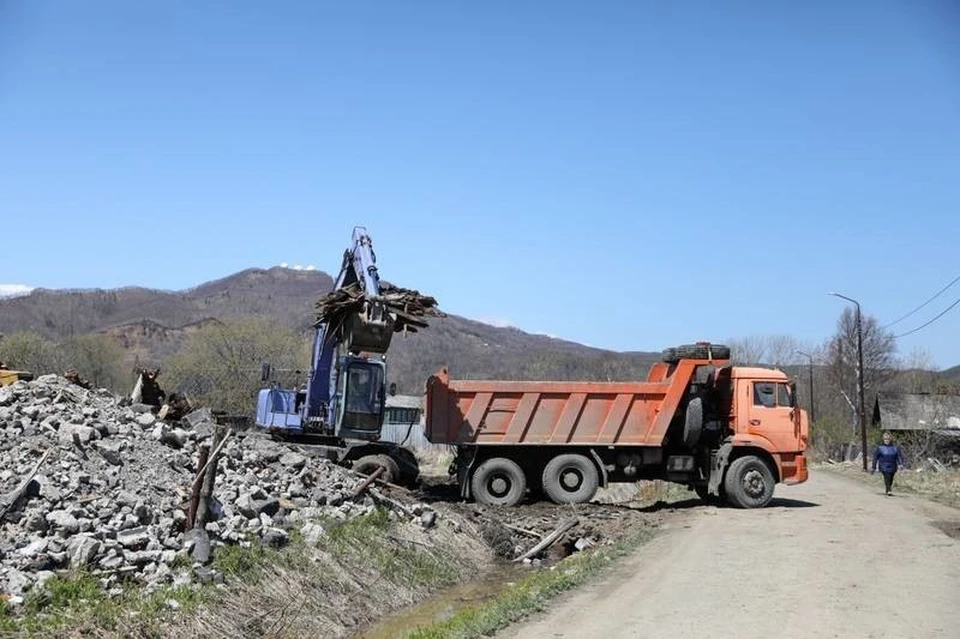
[906,412]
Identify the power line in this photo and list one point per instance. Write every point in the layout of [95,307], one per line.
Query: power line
[938,294]
[945,311]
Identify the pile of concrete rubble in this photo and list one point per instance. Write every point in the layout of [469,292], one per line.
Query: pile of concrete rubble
[89,483]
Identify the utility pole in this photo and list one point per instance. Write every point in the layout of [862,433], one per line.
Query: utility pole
[860,411]
[812,402]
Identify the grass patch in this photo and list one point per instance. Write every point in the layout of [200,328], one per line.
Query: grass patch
[243,563]
[942,486]
[367,538]
[367,565]
[78,602]
[359,569]
[531,594]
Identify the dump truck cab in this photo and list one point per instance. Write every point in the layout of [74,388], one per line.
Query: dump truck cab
[764,416]
[764,438]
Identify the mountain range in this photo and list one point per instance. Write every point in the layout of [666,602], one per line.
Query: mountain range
[153,324]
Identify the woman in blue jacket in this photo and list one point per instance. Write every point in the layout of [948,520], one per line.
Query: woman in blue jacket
[888,458]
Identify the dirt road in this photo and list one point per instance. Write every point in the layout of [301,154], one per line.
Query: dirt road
[831,558]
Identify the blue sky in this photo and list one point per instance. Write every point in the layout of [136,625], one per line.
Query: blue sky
[629,175]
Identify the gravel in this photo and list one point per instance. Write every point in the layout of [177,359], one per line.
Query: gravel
[112,497]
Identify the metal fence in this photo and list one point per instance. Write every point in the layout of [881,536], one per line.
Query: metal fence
[411,436]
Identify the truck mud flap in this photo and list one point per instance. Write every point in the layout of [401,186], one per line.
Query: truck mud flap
[718,466]
[603,469]
[465,460]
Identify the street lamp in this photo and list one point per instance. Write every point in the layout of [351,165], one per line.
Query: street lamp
[860,413]
[810,357]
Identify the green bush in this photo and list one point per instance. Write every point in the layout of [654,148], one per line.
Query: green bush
[98,358]
[220,366]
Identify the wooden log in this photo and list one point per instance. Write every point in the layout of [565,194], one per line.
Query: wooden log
[549,540]
[195,488]
[523,531]
[380,482]
[7,501]
[383,500]
[209,478]
[216,452]
[362,488]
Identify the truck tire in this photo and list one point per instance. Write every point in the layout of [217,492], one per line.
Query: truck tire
[693,422]
[498,482]
[749,482]
[705,376]
[408,465]
[368,464]
[696,351]
[570,479]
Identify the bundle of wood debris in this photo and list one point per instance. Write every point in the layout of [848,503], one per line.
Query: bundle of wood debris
[408,307]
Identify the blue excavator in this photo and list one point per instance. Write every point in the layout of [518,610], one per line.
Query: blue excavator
[340,409]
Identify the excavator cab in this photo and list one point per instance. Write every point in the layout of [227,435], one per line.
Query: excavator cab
[362,395]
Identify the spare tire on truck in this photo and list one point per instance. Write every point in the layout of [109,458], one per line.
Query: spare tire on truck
[693,422]
[696,351]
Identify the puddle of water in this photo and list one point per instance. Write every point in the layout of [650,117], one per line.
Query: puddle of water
[445,604]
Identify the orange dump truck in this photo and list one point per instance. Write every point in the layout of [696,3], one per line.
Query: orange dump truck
[725,431]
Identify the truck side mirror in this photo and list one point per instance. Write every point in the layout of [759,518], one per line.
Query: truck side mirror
[265,372]
[393,389]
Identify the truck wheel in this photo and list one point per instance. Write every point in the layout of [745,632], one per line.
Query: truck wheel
[749,483]
[570,479]
[693,422]
[368,464]
[498,482]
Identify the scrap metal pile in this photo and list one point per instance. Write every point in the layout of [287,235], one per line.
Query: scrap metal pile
[407,307]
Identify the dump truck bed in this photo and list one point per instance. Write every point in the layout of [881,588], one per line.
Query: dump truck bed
[556,413]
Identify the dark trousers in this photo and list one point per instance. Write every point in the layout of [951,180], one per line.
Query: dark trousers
[888,480]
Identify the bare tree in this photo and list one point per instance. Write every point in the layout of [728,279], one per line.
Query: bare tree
[782,350]
[879,362]
[777,350]
[918,373]
[748,350]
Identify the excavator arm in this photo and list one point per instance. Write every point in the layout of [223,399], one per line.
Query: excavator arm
[345,392]
[368,329]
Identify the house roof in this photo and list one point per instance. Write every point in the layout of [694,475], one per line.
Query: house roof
[917,411]
[404,401]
